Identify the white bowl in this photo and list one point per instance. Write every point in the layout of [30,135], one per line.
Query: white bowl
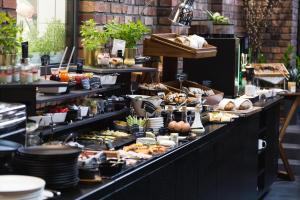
[58,117]
[84,111]
[42,120]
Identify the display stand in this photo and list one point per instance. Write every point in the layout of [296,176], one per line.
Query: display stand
[163,45]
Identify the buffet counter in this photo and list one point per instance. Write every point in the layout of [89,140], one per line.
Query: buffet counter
[224,163]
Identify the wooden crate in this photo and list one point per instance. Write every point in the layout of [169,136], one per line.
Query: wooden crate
[210,100]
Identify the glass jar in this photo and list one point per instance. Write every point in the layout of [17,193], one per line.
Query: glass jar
[26,74]
[54,74]
[2,74]
[16,73]
[5,74]
[35,72]
[64,74]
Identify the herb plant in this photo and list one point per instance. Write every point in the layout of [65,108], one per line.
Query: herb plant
[9,34]
[131,32]
[92,38]
[292,63]
[217,18]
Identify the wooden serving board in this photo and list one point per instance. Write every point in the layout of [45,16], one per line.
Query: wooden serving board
[243,113]
[271,70]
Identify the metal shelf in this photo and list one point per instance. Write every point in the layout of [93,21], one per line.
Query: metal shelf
[59,128]
[40,83]
[42,98]
[115,70]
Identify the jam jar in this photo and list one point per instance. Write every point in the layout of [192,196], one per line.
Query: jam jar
[35,72]
[26,74]
[16,73]
[5,74]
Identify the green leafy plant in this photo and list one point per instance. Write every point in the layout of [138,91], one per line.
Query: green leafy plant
[53,40]
[10,33]
[262,58]
[297,78]
[292,63]
[92,38]
[217,18]
[131,32]
[288,56]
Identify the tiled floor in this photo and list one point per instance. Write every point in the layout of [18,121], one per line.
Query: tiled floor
[284,190]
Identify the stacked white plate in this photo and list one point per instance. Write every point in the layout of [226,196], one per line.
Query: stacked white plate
[156,123]
[14,187]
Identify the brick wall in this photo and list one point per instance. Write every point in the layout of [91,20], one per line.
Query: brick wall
[281,31]
[155,15]
[8,6]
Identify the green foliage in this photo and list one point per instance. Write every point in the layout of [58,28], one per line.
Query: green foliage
[292,63]
[217,18]
[262,58]
[288,56]
[10,32]
[53,40]
[92,38]
[250,55]
[297,78]
[131,32]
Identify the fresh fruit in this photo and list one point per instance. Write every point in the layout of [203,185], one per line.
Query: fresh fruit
[135,121]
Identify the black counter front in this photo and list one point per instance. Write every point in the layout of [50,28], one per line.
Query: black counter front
[223,164]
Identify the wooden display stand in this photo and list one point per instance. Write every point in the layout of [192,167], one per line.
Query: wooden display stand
[164,45]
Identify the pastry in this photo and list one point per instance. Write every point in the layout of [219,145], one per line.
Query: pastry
[183,40]
[229,106]
[245,105]
[157,149]
[197,42]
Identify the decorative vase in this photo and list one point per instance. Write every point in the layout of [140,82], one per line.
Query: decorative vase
[8,59]
[129,56]
[222,30]
[90,56]
[2,59]
[201,27]
[292,86]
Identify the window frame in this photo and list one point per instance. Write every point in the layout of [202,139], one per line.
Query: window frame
[72,9]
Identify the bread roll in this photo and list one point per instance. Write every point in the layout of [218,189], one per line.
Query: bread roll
[183,40]
[245,105]
[197,42]
[229,106]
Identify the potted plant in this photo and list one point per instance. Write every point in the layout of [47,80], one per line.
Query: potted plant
[221,24]
[93,40]
[53,40]
[131,32]
[9,39]
[292,63]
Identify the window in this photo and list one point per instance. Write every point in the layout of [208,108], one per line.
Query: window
[44,24]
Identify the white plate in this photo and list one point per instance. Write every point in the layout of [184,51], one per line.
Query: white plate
[16,183]
[27,195]
[53,90]
[156,119]
[159,123]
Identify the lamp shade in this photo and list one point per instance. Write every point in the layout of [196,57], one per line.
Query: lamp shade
[182,14]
